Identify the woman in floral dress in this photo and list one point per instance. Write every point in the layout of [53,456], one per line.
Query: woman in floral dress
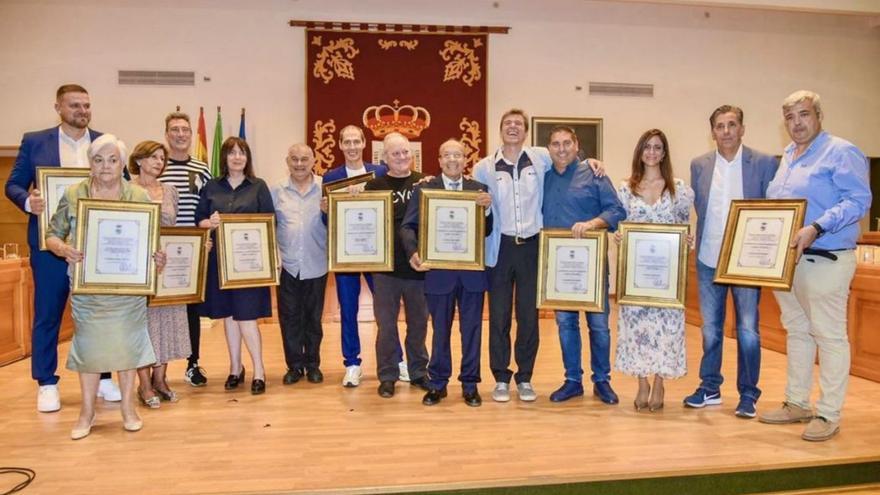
[650,340]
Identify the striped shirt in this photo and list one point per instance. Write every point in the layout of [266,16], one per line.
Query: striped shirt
[188,177]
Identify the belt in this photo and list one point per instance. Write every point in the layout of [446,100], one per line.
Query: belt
[519,241]
[825,253]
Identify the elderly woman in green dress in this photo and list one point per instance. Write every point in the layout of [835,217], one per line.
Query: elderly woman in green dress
[110,331]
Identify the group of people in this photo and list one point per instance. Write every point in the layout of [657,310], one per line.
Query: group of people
[523,189]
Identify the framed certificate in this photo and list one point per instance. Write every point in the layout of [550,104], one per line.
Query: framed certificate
[571,272]
[652,264]
[117,239]
[52,182]
[361,232]
[452,228]
[183,279]
[755,247]
[246,253]
[341,185]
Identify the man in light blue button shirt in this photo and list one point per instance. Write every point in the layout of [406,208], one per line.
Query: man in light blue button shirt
[302,240]
[832,175]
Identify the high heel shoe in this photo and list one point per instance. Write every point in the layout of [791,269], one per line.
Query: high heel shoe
[657,391]
[78,433]
[151,402]
[641,400]
[258,386]
[233,381]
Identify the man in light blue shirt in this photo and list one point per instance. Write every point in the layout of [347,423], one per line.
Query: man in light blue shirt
[832,175]
[302,240]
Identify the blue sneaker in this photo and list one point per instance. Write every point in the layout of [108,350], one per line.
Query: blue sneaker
[702,398]
[746,408]
[605,393]
[568,390]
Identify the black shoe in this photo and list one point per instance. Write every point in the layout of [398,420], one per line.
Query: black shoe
[434,396]
[232,381]
[258,387]
[472,398]
[314,375]
[195,375]
[292,376]
[421,382]
[386,389]
[605,393]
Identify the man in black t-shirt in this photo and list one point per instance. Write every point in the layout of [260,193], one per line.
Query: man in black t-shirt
[403,282]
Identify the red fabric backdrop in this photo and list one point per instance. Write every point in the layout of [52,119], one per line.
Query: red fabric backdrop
[430,87]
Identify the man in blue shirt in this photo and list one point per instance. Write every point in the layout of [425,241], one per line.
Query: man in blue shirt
[575,198]
[832,175]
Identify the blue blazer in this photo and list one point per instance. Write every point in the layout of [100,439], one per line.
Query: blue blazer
[338,173]
[38,149]
[442,281]
[758,170]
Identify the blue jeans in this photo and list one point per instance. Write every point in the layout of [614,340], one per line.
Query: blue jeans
[713,305]
[600,344]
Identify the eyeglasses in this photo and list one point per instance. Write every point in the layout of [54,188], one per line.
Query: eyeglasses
[180,130]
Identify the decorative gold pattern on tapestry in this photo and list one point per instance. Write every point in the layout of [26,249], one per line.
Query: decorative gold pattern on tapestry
[408,120]
[389,44]
[471,140]
[323,143]
[461,62]
[334,59]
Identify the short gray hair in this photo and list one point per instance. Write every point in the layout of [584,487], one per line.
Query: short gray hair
[802,95]
[108,139]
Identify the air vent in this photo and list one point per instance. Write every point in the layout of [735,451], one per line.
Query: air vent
[157,78]
[621,89]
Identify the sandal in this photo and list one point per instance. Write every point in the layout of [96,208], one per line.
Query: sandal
[167,395]
[151,402]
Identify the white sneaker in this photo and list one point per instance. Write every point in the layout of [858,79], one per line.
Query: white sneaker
[108,391]
[526,392]
[501,392]
[352,377]
[48,399]
[403,372]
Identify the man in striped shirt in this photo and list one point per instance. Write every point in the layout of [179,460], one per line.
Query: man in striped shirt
[187,175]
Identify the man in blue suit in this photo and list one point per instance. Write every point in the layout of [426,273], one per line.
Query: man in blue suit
[64,145]
[733,171]
[348,285]
[444,287]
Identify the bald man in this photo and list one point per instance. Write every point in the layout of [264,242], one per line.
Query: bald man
[302,240]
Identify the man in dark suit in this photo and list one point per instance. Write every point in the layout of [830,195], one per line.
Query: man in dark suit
[443,288]
[64,145]
[733,171]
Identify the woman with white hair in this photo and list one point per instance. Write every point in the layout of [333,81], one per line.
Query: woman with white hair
[110,331]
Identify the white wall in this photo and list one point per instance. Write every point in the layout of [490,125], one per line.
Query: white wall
[697,58]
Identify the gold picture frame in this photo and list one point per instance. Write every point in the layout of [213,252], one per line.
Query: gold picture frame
[342,185]
[579,284]
[117,239]
[52,183]
[360,232]
[183,279]
[458,250]
[652,264]
[246,250]
[755,250]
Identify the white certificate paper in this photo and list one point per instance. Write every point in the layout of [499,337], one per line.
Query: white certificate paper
[247,251]
[118,247]
[653,260]
[361,232]
[178,265]
[451,230]
[571,270]
[760,244]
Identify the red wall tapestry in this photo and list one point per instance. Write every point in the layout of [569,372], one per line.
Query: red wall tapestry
[428,86]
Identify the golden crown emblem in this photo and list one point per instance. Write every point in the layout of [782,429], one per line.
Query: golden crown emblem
[407,119]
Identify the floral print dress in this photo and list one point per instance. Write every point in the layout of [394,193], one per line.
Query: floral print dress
[651,340]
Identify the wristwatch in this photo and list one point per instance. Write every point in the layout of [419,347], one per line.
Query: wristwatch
[819,230]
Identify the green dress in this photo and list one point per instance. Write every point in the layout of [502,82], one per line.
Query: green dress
[110,332]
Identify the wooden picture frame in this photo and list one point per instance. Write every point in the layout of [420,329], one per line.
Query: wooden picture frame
[342,185]
[360,231]
[52,183]
[183,279]
[247,255]
[755,249]
[117,239]
[442,245]
[572,272]
[652,264]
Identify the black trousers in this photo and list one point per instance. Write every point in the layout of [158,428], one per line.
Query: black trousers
[195,332]
[300,306]
[386,306]
[517,266]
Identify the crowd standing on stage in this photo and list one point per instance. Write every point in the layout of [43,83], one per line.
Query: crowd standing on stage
[523,189]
